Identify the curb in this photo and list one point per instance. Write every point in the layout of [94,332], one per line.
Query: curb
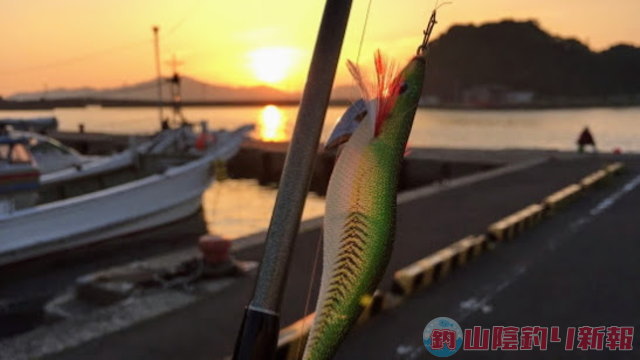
[593,179]
[436,266]
[432,268]
[615,168]
[560,198]
[514,224]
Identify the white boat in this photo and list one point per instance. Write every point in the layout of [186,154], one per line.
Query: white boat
[38,124]
[79,208]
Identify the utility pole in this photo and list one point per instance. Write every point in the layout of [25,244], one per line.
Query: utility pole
[176,91]
[156,42]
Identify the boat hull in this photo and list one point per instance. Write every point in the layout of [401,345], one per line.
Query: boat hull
[142,204]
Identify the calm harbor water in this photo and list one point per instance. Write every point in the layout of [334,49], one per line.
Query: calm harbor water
[239,207]
[485,129]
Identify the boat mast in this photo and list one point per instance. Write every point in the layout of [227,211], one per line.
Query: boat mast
[260,327]
[156,43]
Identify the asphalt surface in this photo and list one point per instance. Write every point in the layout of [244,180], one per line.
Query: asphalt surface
[207,330]
[578,268]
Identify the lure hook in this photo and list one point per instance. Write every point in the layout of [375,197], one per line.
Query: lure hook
[427,32]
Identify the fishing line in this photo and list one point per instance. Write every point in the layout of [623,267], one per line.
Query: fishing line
[316,257]
[216,192]
[180,22]
[351,97]
[75,59]
[215,198]
[364,30]
[438,6]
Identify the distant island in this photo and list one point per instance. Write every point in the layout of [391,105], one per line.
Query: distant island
[518,64]
[194,92]
[507,64]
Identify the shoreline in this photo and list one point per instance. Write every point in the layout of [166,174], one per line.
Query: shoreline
[108,103]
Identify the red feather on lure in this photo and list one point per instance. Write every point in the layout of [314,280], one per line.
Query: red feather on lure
[389,83]
[386,90]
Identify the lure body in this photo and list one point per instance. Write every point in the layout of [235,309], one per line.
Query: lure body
[361,208]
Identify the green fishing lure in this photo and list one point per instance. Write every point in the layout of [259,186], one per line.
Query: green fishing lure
[361,200]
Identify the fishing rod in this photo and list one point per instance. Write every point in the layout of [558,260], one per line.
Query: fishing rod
[260,327]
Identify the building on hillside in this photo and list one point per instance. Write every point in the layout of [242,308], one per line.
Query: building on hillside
[495,95]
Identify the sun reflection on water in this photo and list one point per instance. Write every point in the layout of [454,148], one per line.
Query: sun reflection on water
[272,125]
[239,207]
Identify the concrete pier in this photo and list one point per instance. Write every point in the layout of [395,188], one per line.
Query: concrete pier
[577,268]
[429,218]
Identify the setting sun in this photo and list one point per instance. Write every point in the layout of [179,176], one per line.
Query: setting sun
[273,64]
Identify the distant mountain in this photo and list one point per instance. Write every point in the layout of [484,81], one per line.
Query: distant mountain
[60,93]
[514,59]
[191,89]
[520,56]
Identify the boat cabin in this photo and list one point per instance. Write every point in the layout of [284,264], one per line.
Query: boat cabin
[19,175]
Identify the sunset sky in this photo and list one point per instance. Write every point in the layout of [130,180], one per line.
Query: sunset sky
[99,43]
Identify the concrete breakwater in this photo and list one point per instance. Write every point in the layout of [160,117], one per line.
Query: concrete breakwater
[264,161]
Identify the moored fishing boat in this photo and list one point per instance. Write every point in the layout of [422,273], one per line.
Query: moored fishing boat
[136,190]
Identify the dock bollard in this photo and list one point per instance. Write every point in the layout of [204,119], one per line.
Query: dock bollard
[214,249]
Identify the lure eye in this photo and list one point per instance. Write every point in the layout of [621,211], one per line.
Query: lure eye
[403,88]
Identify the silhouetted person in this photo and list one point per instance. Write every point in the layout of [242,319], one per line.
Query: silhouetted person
[586,139]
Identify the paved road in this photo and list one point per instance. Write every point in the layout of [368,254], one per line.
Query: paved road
[208,329]
[579,268]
